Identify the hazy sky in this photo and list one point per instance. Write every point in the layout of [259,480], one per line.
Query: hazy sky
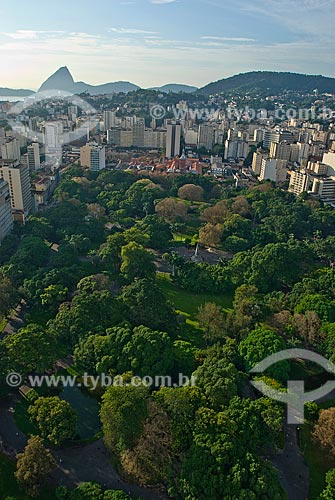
[152,42]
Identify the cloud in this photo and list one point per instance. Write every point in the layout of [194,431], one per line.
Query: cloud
[30,34]
[131,31]
[150,62]
[161,2]
[228,39]
[301,17]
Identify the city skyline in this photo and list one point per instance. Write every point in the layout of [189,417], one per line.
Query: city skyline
[154,42]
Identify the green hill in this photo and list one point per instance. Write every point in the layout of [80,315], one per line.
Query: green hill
[270,82]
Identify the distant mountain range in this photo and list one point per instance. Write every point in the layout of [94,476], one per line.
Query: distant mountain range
[175,87]
[63,80]
[270,82]
[5,92]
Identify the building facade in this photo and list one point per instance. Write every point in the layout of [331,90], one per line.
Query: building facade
[18,179]
[6,216]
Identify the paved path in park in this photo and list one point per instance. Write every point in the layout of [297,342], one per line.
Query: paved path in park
[75,465]
[12,440]
[92,463]
[293,471]
[16,320]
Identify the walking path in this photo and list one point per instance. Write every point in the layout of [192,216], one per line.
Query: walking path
[16,320]
[75,465]
[293,471]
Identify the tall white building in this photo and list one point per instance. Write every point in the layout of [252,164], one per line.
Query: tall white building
[97,158]
[173,140]
[329,159]
[191,137]
[11,150]
[280,151]
[154,139]
[236,149]
[18,179]
[109,119]
[259,135]
[273,170]
[205,136]
[300,182]
[6,216]
[270,136]
[257,159]
[138,134]
[93,157]
[34,162]
[53,137]
[324,188]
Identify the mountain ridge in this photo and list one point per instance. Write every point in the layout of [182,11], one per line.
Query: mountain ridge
[274,81]
[7,92]
[175,87]
[63,80]
[271,82]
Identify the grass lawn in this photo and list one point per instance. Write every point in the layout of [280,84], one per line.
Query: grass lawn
[9,486]
[318,460]
[183,237]
[188,303]
[3,323]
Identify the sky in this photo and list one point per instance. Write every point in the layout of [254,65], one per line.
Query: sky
[154,42]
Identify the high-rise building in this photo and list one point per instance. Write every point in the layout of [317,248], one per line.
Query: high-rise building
[206,136]
[295,152]
[126,138]
[52,137]
[191,137]
[72,112]
[218,136]
[259,135]
[97,158]
[318,168]
[114,136]
[273,170]
[33,124]
[93,157]
[300,182]
[6,216]
[173,140]
[109,119]
[324,187]
[18,179]
[286,136]
[329,159]
[34,161]
[154,139]
[11,150]
[257,159]
[270,136]
[280,151]
[236,149]
[138,135]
